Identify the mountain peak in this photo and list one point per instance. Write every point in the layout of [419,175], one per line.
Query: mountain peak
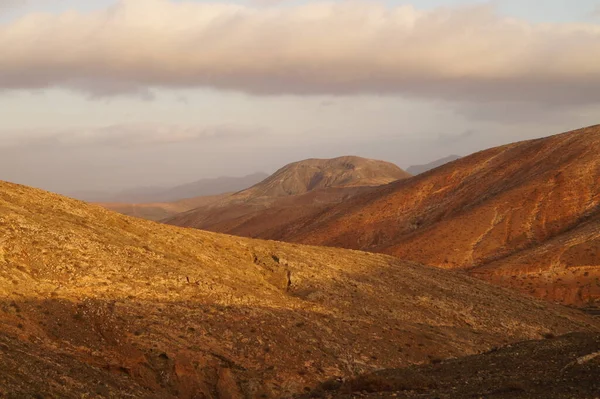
[313,174]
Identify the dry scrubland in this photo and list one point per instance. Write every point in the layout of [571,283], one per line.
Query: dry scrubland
[94,301]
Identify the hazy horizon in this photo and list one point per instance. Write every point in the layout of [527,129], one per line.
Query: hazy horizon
[165,92]
[173,183]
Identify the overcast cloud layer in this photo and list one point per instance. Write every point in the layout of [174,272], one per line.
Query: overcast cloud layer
[466,53]
[194,90]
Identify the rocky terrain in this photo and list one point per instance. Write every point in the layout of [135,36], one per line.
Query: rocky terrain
[554,368]
[564,269]
[524,215]
[295,191]
[99,304]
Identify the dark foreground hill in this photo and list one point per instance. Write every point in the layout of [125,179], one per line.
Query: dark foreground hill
[555,368]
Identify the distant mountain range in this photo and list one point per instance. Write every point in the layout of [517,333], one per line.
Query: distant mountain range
[418,169]
[203,187]
[162,210]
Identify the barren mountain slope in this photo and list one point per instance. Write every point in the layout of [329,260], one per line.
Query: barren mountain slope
[262,216]
[564,268]
[480,209]
[295,191]
[99,303]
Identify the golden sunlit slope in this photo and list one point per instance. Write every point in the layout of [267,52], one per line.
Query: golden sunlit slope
[521,207]
[97,303]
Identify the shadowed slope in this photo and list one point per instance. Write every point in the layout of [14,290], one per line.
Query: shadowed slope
[124,306]
[555,368]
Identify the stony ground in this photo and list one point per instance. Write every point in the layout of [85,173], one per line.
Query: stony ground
[99,304]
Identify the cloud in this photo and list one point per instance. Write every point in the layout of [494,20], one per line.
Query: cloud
[127,136]
[7,4]
[128,155]
[518,113]
[459,54]
[267,3]
[453,138]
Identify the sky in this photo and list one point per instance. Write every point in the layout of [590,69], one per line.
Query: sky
[106,95]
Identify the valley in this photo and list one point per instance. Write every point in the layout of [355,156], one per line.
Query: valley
[315,199]
[125,306]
